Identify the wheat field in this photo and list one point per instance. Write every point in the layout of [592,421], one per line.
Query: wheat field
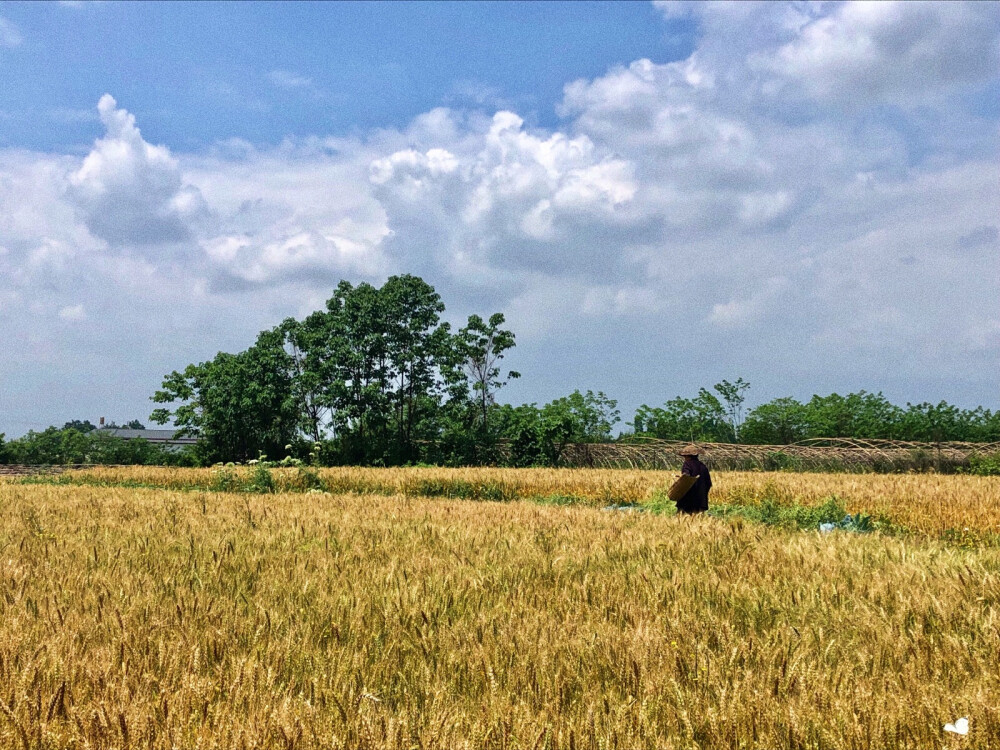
[135,617]
[924,504]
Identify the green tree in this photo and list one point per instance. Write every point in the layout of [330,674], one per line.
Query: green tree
[733,395]
[702,418]
[417,346]
[939,422]
[535,437]
[79,426]
[305,342]
[480,346]
[370,371]
[778,422]
[590,417]
[238,405]
[857,415]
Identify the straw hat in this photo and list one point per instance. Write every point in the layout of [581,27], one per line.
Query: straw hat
[689,450]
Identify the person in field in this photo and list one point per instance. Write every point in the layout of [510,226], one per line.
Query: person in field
[696,499]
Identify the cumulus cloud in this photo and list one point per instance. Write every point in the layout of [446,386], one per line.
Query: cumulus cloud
[410,165]
[505,196]
[292,215]
[129,191]
[897,52]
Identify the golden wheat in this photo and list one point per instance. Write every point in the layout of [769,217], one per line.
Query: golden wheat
[134,617]
[927,504]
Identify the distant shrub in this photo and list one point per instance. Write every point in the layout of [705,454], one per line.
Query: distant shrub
[779,461]
[224,479]
[261,480]
[307,478]
[984,465]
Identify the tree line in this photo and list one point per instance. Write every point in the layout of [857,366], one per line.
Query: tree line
[80,442]
[717,417]
[377,378]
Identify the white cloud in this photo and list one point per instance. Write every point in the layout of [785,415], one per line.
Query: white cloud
[286,79]
[73,313]
[503,195]
[410,164]
[129,191]
[739,313]
[863,53]
[10,35]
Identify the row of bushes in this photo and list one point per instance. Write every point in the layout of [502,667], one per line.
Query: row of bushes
[69,445]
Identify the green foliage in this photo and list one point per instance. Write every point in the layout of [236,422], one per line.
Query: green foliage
[536,437]
[480,346]
[985,465]
[261,480]
[733,395]
[795,516]
[778,422]
[378,379]
[309,479]
[590,416]
[71,446]
[473,375]
[224,479]
[236,404]
[701,419]
[76,424]
[865,415]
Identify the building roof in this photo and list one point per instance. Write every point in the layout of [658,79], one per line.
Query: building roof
[153,436]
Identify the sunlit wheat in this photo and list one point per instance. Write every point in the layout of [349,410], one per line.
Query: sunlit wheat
[148,618]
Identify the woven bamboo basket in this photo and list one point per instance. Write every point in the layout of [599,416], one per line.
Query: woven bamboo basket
[680,488]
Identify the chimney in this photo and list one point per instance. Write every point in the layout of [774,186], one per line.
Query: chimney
[102,421]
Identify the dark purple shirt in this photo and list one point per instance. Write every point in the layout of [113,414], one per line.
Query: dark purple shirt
[696,498]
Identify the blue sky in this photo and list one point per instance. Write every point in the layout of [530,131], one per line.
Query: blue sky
[204,72]
[657,196]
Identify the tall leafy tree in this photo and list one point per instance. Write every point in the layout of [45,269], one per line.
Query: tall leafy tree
[733,395]
[590,416]
[370,369]
[481,345]
[303,341]
[240,405]
[702,418]
[778,422]
[417,346]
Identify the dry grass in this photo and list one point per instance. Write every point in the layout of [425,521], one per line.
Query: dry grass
[925,504]
[146,618]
